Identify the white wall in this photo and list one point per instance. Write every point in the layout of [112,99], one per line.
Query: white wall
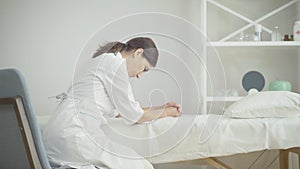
[44,38]
[298,18]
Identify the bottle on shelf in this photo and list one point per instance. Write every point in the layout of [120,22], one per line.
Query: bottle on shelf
[292,38]
[276,36]
[286,37]
[297,31]
[258,32]
[241,37]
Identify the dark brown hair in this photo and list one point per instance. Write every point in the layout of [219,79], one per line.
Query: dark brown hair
[150,50]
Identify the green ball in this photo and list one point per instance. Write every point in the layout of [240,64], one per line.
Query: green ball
[280,86]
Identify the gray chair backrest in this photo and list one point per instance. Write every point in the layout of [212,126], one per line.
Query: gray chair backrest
[12,84]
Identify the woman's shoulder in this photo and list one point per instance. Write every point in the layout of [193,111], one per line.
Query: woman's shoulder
[111,57]
[108,62]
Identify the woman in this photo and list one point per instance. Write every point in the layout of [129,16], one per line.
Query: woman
[75,135]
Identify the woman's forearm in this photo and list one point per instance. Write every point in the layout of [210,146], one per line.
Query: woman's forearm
[153,108]
[171,109]
[159,112]
[153,113]
[165,106]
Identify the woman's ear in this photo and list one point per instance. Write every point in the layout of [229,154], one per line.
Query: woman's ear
[139,51]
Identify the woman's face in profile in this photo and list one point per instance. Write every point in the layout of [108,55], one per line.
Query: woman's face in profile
[137,64]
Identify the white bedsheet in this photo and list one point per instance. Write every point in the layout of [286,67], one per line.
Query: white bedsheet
[193,137]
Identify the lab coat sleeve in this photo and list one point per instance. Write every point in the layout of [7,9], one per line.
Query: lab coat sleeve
[116,82]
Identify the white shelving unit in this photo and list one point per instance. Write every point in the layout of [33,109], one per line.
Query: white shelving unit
[227,42]
[256,44]
[250,22]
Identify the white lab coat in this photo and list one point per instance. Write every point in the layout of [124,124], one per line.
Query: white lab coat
[75,135]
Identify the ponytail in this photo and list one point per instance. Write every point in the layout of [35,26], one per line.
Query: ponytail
[111,47]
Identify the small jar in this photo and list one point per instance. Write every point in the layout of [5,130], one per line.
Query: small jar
[276,36]
[297,31]
[258,30]
[280,86]
[286,37]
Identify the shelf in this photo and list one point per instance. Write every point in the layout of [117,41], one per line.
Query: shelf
[224,21]
[256,44]
[223,99]
[250,22]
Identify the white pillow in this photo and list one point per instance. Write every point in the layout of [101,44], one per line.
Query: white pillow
[266,104]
